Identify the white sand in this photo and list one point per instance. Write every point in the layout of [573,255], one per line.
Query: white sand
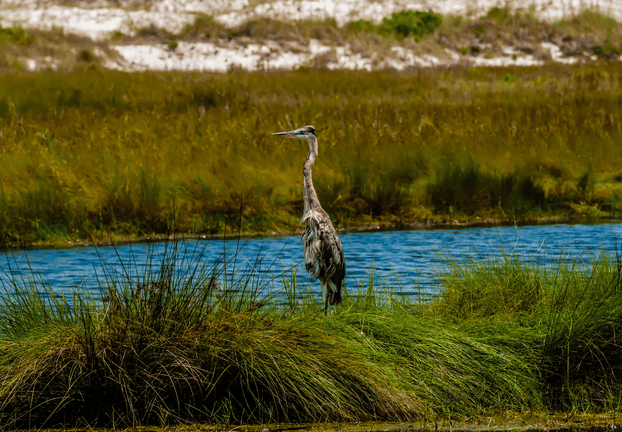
[349,10]
[101,19]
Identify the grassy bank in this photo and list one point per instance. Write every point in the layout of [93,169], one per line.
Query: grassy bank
[180,345]
[101,152]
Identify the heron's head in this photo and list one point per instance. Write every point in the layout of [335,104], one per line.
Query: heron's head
[304,133]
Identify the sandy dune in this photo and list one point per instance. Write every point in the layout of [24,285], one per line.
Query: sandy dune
[99,20]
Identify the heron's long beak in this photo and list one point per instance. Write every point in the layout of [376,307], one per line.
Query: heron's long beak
[290,134]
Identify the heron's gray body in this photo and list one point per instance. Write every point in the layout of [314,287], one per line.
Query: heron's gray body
[324,255]
[323,252]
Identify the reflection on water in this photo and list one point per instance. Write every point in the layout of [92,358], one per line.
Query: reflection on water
[412,259]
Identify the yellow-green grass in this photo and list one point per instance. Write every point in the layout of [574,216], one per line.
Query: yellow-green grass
[98,152]
[504,338]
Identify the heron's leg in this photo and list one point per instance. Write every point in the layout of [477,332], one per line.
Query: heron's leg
[330,292]
[325,296]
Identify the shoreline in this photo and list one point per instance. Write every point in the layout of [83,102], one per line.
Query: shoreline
[373,227]
[519,423]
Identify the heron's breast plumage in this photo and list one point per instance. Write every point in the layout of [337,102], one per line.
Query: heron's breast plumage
[322,248]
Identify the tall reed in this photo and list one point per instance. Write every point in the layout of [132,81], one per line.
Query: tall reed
[100,152]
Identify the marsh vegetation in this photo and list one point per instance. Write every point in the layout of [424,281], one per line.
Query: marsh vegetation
[187,343]
[99,152]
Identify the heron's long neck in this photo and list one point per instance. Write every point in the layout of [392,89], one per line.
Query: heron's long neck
[308,191]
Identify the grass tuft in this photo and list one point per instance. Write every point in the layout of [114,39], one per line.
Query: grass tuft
[184,341]
[410,23]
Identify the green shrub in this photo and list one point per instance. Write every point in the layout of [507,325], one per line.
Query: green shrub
[498,14]
[410,23]
[510,78]
[15,34]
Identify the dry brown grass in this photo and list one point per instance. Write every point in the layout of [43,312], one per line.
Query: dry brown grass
[51,50]
[586,34]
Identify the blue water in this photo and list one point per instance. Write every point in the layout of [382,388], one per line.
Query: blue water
[411,260]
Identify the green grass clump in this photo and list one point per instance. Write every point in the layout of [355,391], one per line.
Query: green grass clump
[499,14]
[15,34]
[496,288]
[573,308]
[463,186]
[401,25]
[410,23]
[185,342]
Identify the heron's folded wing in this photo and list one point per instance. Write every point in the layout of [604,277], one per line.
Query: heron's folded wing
[312,245]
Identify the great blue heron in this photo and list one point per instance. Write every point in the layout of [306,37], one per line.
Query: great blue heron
[323,252]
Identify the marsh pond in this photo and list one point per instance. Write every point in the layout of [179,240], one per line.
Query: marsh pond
[411,261]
